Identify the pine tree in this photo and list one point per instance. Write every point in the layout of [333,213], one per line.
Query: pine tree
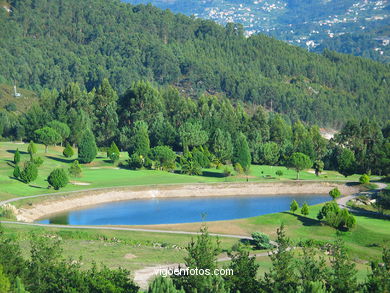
[68,151]
[58,178]
[139,143]
[29,173]
[32,148]
[113,152]
[75,169]
[163,285]
[242,153]
[87,148]
[17,157]
[16,172]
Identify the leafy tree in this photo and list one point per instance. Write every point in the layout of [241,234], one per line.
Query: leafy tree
[32,148]
[343,272]
[47,136]
[16,172]
[113,152]
[346,162]
[61,128]
[318,167]
[17,157]
[305,209]
[75,169]
[164,157]
[261,240]
[335,217]
[87,147]
[300,162]
[68,151]
[163,285]
[58,178]
[364,179]
[242,153]
[222,145]
[140,143]
[269,153]
[294,206]
[29,173]
[282,276]
[335,193]
[192,135]
[245,269]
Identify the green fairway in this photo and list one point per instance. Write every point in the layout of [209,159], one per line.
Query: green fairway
[101,173]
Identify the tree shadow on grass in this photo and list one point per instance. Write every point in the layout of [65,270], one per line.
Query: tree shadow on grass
[14,151]
[37,187]
[62,160]
[305,220]
[356,211]
[213,174]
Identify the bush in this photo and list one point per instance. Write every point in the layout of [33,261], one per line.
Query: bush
[200,157]
[261,240]
[38,161]
[135,161]
[164,157]
[16,172]
[113,153]
[17,157]
[279,173]
[364,179]
[335,193]
[68,151]
[29,173]
[11,107]
[58,178]
[7,211]
[227,171]
[75,169]
[238,168]
[336,217]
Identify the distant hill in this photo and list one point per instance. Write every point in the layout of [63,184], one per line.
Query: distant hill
[48,44]
[14,104]
[319,24]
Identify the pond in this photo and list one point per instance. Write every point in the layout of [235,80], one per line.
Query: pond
[180,210]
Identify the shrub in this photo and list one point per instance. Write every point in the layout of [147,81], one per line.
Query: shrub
[305,209]
[7,211]
[68,151]
[11,107]
[38,161]
[335,193]
[17,157]
[29,173]
[58,178]
[336,217]
[113,152]
[294,206]
[238,168]
[200,157]
[164,157]
[364,179]
[16,172]
[190,167]
[135,161]
[75,169]
[261,240]
[279,173]
[227,171]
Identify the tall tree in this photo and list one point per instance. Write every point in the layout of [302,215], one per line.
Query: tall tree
[87,147]
[346,162]
[47,136]
[139,141]
[192,135]
[222,145]
[242,153]
[300,162]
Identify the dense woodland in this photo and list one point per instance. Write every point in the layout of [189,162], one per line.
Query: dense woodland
[48,44]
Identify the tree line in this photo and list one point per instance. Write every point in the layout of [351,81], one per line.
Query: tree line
[48,44]
[160,128]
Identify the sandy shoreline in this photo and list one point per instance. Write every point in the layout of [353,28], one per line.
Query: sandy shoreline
[64,203]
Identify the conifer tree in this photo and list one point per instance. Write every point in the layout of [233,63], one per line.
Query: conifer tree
[87,148]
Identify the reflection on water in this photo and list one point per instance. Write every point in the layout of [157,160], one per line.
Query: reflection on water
[181,210]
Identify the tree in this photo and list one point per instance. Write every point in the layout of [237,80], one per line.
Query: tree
[47,136]
[294,206]
[140,143]
[75,169]
[68,151]
[164,157]
[364,179]
[113,153]
[189,166]
[242,153]
[29,173]
[17,157]
[16,172]
[163,285]
[222,145]
[346,162]
[5,284]
[19,286]
[136,161]
[335,193]
[192,135]
[261,240]
[32,148]
[335,217]
[244,279]
[58,178]
[343,272]
[379,279]
[87,147]
[269,153]
[318,167]
[299,162]
[305,209]
[62,129]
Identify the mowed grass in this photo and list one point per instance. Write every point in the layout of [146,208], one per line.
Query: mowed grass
[101,173]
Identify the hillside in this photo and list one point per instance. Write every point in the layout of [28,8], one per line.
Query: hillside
[310,24]
[51,43]
[16,104]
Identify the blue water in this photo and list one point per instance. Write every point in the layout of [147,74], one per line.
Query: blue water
[180,210]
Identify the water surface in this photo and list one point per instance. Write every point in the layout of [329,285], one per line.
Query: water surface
[180,210]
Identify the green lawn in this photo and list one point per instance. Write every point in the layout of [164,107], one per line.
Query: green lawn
[101,173]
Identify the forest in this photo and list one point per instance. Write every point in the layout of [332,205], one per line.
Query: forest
[48,44]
